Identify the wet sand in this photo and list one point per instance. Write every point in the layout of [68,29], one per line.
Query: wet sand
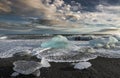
[101,68]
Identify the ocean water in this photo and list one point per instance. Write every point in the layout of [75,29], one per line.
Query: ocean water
[75,52]
[74,17]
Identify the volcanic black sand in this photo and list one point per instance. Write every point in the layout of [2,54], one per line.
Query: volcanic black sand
[101,68]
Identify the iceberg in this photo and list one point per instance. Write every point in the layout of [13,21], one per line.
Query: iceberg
[56,42]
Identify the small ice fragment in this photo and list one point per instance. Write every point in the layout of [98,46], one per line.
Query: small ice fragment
[99,45]
[3,37]
[106,46]
[45,63]
[56,42]
[90,50]
[112,40]
[87,49]
[113,45]
[36,73]
[82,65]
[14,74]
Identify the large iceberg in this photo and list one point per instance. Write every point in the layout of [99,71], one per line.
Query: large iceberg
[56,42]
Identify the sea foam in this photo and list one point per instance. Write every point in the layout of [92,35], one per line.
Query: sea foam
[72,54]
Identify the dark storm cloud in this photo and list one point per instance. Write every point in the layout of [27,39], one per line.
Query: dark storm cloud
[90,5]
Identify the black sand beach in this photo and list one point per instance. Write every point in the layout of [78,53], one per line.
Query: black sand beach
[101,68]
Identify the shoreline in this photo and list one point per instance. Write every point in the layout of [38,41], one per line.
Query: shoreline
[101,68]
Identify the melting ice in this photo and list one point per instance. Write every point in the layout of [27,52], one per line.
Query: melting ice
[56,42]
[82,65]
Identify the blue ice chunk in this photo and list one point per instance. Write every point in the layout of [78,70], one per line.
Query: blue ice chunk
[56,42]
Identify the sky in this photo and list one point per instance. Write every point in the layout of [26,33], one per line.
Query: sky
[62,16]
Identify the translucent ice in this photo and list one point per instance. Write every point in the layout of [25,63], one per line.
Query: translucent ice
[36,73]
[103,41]
[26,67]
[56,42]
[65,55]
[82,65]
[45,63]
[14,74]
[3,37]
